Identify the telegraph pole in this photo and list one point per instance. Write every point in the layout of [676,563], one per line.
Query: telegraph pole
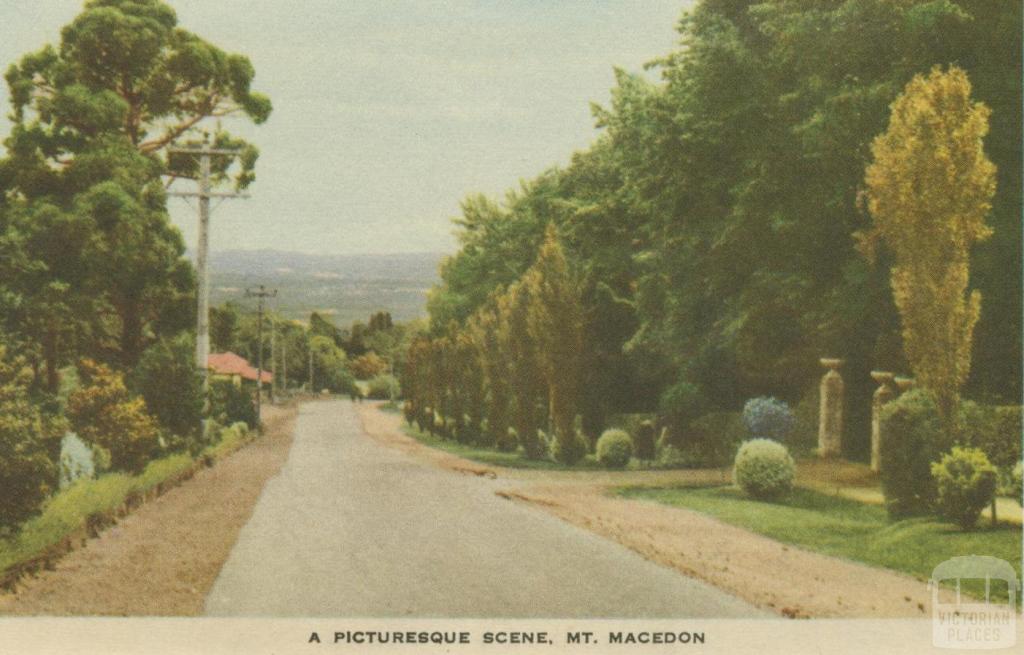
[284,362]
[204,194]
[273,360]
[261,294]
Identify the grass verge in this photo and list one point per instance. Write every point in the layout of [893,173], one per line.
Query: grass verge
[846,528]
[70,509]
[494,457]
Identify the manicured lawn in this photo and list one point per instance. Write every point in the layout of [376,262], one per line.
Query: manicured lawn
[495,457]
[846,528]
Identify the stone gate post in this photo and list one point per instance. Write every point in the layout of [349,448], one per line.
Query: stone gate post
[830,417]
[885,392]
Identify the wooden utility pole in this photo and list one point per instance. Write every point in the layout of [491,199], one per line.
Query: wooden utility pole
[273,360]
[261,293]
[204,194]
[311,366]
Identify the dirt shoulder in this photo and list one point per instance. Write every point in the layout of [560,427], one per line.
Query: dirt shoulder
[163,558]
[762,571]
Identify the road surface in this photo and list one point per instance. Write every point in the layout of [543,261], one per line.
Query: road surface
[352,528]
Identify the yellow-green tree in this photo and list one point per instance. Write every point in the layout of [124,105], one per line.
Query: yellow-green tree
[555,320]
[484,329]
[929,189]
[105,414]
[468,387]
[526,381]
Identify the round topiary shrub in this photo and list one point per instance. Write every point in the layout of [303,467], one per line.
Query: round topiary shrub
[965,482]
[614,448]
[764,469]
[768,418]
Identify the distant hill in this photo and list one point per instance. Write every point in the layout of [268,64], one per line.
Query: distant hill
[344,287]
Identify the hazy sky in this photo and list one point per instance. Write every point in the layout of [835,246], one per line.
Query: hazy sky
[386,114]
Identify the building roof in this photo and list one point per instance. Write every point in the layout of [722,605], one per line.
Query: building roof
[231,364]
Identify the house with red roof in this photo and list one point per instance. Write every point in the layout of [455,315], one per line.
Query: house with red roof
[229,366]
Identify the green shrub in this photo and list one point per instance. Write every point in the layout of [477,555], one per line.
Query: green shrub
[965,482]
[670,456]
[679,405]
[1018,481]
[614,448]
[712,439]
[768,418]
[764,469]
[338,379]
[167,380]
[569,450]
[803,439]
[228,439]
[996,430]
[231,404]
[912,440]
[644,442]
[104,414]
[27,472]
[383,387]
[161,470]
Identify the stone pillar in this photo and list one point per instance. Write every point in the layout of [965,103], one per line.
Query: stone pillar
[885,392]
[830,417]
[903,384]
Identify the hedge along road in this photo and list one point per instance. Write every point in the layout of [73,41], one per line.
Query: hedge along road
[352,528]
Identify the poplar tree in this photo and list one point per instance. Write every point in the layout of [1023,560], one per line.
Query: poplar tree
[555,323]
[484,329]
[929,189]
[472,385]
[525,379]
[415,379]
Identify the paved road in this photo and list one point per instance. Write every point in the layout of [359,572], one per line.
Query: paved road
[352,528]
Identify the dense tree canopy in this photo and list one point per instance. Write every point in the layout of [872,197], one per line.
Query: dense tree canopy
[713,219]
[98,269]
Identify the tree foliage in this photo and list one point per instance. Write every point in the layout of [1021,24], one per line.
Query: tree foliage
[167,380]
[100,270]
[28,473]
[555,324]
[929,189]
[103,413]
[712,222]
